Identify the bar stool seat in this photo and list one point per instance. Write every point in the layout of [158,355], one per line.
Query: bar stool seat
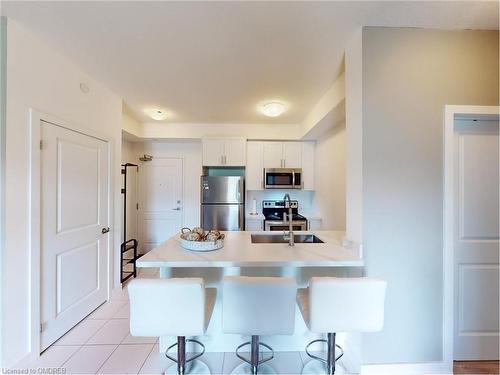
[330,305]
[256,306]
[171,307]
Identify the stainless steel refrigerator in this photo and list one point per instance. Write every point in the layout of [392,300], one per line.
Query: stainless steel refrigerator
[222,202]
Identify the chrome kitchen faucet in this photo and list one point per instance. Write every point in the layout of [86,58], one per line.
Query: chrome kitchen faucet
[290,219]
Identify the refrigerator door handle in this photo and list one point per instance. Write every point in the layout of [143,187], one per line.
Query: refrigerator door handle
[238,191]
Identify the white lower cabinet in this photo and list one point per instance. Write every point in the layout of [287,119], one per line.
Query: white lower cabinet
[314,223]
[254,225]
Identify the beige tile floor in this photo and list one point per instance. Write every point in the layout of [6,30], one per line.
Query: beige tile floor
[102,344]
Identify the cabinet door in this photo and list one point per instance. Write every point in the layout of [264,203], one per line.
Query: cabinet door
[235,152]
[308,165]
[292,154]
[315,224]
[213,150]
[254,170]
[253,225]
[273,154]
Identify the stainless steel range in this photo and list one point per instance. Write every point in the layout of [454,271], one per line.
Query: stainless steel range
[274,221]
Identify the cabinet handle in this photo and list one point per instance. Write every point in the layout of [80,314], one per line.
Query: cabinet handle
[105,230]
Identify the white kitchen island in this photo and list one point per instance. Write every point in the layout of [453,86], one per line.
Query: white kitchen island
[240,256]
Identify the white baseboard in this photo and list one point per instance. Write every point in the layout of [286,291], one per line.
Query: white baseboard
[408,369]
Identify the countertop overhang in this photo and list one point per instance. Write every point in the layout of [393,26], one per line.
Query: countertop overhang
[239,251]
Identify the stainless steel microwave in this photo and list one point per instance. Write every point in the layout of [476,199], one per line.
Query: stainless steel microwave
[283,178]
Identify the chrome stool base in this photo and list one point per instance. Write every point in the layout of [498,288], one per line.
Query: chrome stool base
[196,367]
[181,360]
[314,367]
[254,361]
[330,355]
[246,369]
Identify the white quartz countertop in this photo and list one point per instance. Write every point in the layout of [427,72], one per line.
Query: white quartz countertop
[239,251]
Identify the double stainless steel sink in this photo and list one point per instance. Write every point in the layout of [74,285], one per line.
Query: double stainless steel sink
[278,238]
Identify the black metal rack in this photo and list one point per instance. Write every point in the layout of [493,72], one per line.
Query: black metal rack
[126,260]
[128,267]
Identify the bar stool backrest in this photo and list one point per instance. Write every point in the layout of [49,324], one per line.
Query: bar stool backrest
[167,307]
[346,304]
[258,305]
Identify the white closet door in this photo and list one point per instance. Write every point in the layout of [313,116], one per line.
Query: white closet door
[476,236]
[74,210]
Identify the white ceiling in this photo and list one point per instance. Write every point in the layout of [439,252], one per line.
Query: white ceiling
[213,62]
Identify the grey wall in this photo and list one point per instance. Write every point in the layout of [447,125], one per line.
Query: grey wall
[408,77]
[3,59]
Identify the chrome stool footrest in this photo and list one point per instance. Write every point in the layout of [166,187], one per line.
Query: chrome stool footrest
[331,359]
[254,361]
[319,358]
[260,361]
[181,359]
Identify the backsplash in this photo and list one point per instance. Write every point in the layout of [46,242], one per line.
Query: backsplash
[305,198]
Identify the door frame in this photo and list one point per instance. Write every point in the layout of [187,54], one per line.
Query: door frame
[451,113]
[34,212]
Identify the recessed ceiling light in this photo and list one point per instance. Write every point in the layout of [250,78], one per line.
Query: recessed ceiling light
[156,113]
[273,109]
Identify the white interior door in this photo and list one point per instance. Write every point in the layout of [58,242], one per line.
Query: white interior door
[74,210]
[476,245]
[160,209]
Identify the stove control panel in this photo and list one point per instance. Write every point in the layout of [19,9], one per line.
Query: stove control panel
[279,204]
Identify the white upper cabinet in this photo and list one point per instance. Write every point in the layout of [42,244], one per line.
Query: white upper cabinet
[254,171]
[308,165]
[213,152]
[273,154]
[224,152]
[282,154]
[235,152]
[292,154]
[264,154]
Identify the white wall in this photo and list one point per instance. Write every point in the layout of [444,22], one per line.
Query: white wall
[196,131]
[3,56]
[408,77]
[330,182]
[129,152]
[39,77]
[354,137]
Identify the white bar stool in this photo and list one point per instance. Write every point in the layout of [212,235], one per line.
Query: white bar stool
[332,305]
[258,306]
[171,307]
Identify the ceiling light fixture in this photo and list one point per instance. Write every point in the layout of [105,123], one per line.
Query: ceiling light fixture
[156,114]
[273,109]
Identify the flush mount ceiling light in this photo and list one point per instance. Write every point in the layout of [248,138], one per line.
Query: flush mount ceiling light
[156,114]
[272,109]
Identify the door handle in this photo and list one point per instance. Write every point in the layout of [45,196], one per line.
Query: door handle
[176,209]
[105,230]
